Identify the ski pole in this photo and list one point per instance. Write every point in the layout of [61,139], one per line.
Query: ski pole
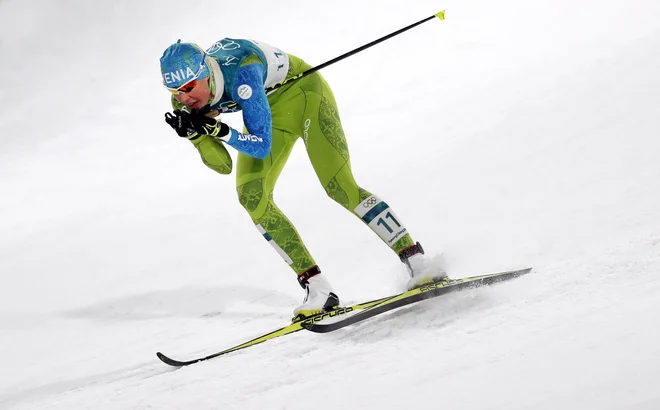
[440,15]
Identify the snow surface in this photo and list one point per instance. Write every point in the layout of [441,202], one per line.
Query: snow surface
[514,133]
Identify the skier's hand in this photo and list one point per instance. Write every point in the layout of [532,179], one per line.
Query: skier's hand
[195,123]
[182,123]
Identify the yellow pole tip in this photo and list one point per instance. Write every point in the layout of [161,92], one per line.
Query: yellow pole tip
[441,15]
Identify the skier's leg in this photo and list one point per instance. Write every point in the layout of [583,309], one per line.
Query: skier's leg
[255,181]
[328,152]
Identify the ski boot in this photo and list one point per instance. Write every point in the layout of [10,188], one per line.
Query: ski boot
[319,296]
[422,270]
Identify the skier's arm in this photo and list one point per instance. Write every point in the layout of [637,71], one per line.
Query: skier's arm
[213,153]
[250,94]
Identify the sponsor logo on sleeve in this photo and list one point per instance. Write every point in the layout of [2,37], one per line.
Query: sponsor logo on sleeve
[249,137]
[244,91]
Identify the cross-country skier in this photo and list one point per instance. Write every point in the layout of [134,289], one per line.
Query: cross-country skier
[232,76]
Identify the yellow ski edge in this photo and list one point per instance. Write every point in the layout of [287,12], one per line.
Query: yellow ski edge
[296,326]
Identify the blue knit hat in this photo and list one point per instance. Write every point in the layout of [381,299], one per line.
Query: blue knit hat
[181,63]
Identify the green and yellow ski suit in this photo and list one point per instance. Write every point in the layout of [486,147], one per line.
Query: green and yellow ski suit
[302,109]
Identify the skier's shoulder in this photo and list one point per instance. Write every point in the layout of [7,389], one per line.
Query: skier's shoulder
[240,47]
[230,46]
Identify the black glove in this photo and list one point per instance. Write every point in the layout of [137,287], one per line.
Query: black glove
[195,123]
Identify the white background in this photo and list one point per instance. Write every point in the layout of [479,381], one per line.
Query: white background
[512,134]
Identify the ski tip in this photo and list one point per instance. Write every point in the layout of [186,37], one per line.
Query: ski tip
[167,360]
[520,271]
[162,357]
[440,15]
[517,272]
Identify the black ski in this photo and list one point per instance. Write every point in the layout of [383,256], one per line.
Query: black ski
[288,329]
[415,295]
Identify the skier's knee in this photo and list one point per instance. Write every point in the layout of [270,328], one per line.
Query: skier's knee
[337,194]
[252,198]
